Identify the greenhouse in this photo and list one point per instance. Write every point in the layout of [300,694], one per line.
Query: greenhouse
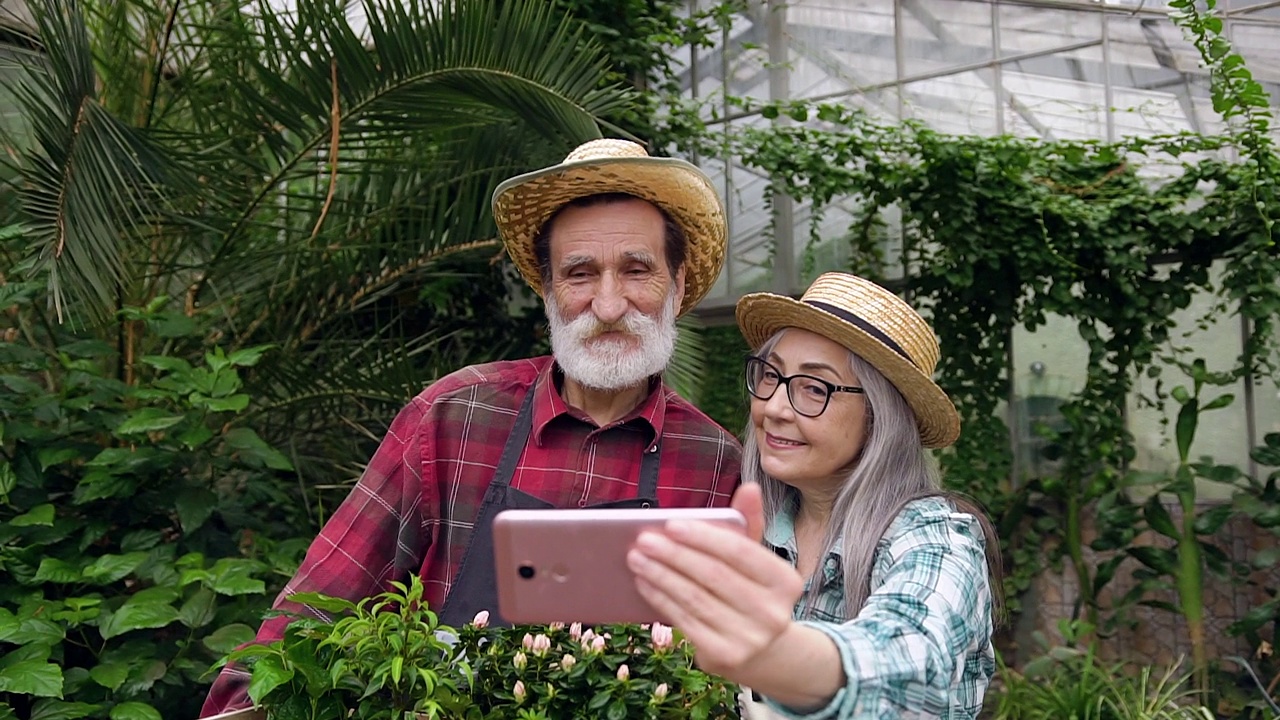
[251,249]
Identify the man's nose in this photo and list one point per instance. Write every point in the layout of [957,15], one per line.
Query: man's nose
[609,304]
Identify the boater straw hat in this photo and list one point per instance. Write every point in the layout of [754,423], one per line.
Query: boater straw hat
[876,325]
[522,204]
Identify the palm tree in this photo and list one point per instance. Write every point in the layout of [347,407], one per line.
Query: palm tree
[297,179]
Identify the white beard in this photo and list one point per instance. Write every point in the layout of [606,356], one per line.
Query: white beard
[613,364]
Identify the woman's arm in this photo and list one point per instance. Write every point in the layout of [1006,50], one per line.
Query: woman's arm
[733,599]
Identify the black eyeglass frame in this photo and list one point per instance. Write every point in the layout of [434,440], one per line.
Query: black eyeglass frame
[832,388]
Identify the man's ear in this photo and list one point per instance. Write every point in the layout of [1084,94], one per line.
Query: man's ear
[680,285]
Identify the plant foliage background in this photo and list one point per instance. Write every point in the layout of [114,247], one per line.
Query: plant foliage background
[235,241]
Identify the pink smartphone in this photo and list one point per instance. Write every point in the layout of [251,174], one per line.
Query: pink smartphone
[570,565]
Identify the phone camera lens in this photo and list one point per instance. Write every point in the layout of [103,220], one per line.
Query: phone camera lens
[526,571]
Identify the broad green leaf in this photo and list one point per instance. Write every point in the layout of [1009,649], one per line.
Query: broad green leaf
[134,711]
[32,677]
[228,638]
[268,674]
[137,616]
[39,515]
[98,485]
[110,568]
[248,357]
[8,480]
[231,403]
[249,446]
[195,436]
[326,603]
[57,571]
[49,457]
[194,506]
[59,710]
[167,362]
[110,675]
[199,609]
[232,576]
[31,652]
[32,630]
[147,419]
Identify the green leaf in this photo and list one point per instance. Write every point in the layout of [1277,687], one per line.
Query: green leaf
[110,568]
[194,506]
[59,710]
[1211,521]
[231,403]
[39,515]
[57,571]
[232,576]
[98,485]
[268,674]
[137,616]
[228,638]
[49,457]
[195,436]
[199,609]
[110,675]
[1158,518]
[249,446]
[1158,559]
[134,711]
[326,603]
[1220,402]
[248,357]
[32,677]
[32,630]
[1188,418]
[146,420]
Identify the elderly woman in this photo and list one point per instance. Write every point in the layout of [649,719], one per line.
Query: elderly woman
[871,595]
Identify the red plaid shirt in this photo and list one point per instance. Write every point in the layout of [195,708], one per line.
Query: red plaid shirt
[419,497]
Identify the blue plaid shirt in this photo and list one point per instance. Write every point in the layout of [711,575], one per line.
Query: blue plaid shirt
[921,646]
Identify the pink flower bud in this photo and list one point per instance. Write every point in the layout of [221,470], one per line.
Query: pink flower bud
[575,630]
[661,636]
[660,692]
[520,661]
[567,662]
[556,626]
[541,644]
[527,642]
[586,636]
[624,673]
[481,619]
[597,644]
[518,691]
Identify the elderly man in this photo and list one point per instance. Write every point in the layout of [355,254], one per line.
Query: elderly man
[618,244]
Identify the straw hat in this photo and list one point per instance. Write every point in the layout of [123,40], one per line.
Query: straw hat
[522,204]
[876,325]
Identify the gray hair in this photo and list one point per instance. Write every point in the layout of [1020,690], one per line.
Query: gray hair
[892,469]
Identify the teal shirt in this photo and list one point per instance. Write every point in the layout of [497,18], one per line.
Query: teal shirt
[921,646]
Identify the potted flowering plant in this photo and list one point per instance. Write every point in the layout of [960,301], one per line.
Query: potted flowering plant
[609,671]
[388,658]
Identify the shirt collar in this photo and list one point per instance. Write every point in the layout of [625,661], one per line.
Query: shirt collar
[780,536]
[549,404]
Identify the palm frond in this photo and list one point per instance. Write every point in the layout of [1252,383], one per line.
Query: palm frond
[88,182]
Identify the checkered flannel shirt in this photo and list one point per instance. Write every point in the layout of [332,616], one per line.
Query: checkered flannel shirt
[418,499]
[921,646]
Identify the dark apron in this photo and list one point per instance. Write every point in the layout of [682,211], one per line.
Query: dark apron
[476,588]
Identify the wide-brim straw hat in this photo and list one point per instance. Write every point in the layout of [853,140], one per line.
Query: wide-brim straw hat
[873,323]
[523,203]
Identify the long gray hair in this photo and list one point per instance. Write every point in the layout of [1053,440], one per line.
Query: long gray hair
[892,469]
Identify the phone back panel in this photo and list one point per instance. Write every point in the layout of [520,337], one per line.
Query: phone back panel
[570,565]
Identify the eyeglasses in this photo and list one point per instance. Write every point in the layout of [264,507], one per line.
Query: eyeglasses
[809,395]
